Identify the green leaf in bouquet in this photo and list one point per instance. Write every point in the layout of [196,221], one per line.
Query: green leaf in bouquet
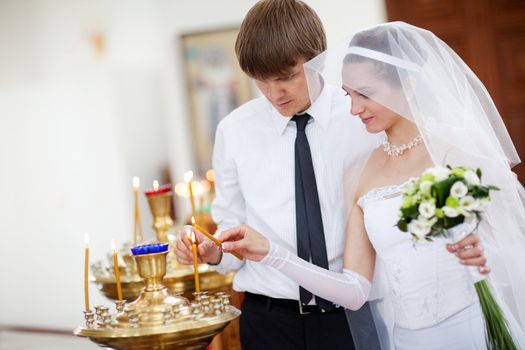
[478,172]
[402,225]
[439,213]
[408,202]
[493,188]
[451,222]
[410,212]
[480,191]
[441,190]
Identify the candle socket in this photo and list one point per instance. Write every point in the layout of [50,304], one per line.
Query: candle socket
[90,318]
[103,316]
[160,206]
[119,305]
[198,296]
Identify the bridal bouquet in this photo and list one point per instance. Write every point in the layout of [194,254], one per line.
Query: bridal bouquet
[449,202]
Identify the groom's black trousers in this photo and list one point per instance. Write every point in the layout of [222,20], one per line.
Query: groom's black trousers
[276,324]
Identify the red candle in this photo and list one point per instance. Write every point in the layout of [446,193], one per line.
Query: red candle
[158,189]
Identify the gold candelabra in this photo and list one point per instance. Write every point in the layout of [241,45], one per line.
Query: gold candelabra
[179,278]
[160,206]
[158,319]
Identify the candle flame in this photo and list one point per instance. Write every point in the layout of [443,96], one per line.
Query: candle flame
[113,245]
[198,189]
[155,185]
[86,238]
[136,182]
[188,175]
[182,190]
[210,175]
[205,186]
[193,220]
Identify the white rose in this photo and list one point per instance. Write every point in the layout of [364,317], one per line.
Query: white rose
[450,212]
[471,177]
[440,173]
[419,227]
[458,189]
[469,203]
[427,209]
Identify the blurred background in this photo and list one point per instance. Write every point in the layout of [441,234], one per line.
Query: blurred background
[95,92]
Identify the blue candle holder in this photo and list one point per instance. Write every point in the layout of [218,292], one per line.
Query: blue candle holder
[150,248]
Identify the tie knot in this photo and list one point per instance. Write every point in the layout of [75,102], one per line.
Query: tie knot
[301,120]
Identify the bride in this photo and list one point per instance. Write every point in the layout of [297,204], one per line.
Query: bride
[433,110]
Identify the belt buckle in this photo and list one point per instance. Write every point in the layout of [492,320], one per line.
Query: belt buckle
[301,309]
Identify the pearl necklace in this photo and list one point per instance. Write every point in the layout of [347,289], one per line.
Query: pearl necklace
[396,151]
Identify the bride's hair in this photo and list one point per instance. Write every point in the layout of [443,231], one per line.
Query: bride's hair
[380,39]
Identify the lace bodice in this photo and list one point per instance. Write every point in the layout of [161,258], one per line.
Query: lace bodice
[425,282]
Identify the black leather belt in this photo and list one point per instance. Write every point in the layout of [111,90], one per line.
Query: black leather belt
[288,304]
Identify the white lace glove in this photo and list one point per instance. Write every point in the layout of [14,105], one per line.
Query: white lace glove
[348,289]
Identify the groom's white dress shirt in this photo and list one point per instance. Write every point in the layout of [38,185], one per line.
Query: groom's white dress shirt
[254,169]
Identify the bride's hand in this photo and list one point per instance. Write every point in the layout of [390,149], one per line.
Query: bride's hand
[470,252]
[245,241]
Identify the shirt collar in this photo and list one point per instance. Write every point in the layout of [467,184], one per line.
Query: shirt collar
[319,111]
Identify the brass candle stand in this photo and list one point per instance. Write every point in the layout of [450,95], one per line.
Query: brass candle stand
[179,278]
[158,319]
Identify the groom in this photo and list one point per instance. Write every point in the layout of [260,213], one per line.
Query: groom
[279,162]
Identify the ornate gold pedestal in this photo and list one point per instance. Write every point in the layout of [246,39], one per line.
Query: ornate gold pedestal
[158,319]
[178,279]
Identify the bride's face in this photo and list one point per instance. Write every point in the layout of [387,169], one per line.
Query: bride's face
[365,88]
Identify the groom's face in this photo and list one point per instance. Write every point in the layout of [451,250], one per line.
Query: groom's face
[288,92]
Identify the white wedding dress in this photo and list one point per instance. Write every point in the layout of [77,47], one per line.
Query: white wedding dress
[431,297]
[421,296]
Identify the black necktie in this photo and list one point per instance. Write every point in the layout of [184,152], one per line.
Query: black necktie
[309,222]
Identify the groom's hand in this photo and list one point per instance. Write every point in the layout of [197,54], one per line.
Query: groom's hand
[470,252]
[208,250]
[245,241]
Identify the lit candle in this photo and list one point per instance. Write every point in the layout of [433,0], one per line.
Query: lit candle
[86,273]
[137,224]
[211,237]
[157,189]
[191,236]
[210,176]
[116,269]
[188,176]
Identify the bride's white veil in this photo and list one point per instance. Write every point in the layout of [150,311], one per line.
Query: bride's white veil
[415,74]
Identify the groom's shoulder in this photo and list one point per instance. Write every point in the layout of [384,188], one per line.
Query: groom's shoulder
[245,114]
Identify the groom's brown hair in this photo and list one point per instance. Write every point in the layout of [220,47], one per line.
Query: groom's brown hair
[275,34]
